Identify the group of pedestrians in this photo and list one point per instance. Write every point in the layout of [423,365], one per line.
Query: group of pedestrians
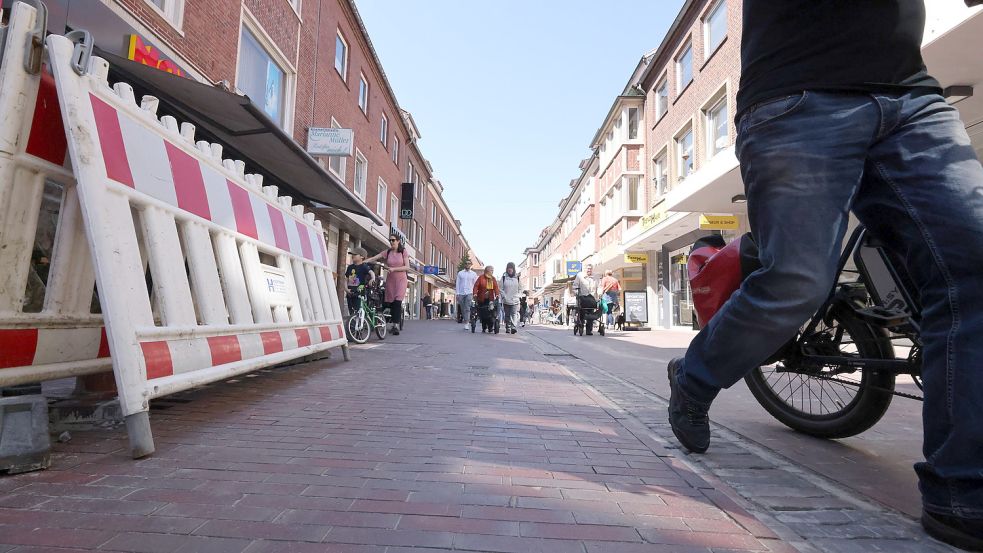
[499,298]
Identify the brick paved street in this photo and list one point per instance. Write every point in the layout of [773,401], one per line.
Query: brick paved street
[436,440]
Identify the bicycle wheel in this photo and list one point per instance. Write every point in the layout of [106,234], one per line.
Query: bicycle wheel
[358,328]
[381,328]
[815,401]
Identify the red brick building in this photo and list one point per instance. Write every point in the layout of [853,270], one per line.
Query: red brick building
[304,63]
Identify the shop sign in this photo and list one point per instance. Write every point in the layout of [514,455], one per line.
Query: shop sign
[148,54]
[653,218]
[636,257]
[430,269]
[322,141]
[574,267]
[636,307]
[441,271]
[719,222]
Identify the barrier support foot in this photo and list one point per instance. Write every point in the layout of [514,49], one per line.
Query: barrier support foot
[138,430]
[345,353]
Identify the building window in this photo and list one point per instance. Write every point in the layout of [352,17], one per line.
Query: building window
[341,56]
[684,68]
[661,99]
[363,94]
[660,170]
[409,172]
[632,123]
[715,27]
[419,236]
[337,164]
[395,150]
[380,200]
[262,78]
[433,213]
[384,130]
[171,10]
[361,174]
[393,210]
[684,153]
[717,138]
[634,192]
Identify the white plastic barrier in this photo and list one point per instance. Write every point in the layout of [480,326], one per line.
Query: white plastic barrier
[47,325]
[203,272]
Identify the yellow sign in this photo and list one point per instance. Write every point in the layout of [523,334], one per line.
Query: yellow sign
[653,217]
[719,222]
[636,257]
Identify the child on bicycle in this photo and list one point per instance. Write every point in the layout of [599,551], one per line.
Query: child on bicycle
[358,274]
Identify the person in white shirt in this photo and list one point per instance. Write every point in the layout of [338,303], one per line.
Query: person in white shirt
[464,288]
[585,285]
[510,298]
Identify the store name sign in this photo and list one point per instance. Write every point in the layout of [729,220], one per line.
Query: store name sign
[326,141]
[148,54]
[653,218]
[636,257]
[719,222]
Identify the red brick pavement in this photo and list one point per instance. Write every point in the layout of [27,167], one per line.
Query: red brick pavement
[438,440]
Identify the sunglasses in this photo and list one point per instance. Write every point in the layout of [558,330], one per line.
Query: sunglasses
[394,239]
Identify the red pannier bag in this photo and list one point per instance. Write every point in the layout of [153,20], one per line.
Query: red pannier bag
[716,273]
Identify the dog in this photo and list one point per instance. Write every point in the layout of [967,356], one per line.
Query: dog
[619,322]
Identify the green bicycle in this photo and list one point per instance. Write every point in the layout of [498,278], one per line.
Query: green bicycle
[364,319]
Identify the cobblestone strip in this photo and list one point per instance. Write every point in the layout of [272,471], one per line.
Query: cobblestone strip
[800,506]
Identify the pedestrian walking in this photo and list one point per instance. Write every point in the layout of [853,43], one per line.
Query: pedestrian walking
[524,308]
[837,113]
[585,294]
[427,306]
[610,290]
[510,298]
[464,287]
[486,295]
[397,262]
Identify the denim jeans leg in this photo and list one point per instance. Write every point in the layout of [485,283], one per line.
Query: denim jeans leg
[923,196]
[802,158]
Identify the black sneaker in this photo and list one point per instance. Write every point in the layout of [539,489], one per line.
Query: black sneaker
[964,533]
[395,331]
[690,421]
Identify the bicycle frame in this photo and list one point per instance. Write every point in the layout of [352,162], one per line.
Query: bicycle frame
[895,311]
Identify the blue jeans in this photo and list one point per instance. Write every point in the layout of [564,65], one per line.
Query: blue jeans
[612,298]
[903,163]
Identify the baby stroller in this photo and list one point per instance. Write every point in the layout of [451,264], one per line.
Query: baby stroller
[487,313]
[586,312]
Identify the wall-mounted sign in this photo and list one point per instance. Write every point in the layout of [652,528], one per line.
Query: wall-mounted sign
[636,307]
[406,201]
[636,257]
[653,217]
[326,141]
[574,267]
[719,222]
[430,269]
[148,54]
[441,271]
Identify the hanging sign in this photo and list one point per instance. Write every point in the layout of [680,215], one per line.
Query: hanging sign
[718,222]
[327,141]
[636,257]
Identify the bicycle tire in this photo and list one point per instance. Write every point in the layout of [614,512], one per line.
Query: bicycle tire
[381,327]
[873,390]
[358,333]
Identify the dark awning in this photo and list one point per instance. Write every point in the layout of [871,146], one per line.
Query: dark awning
[240,126]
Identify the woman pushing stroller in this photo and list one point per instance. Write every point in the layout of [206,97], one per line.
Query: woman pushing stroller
[487,294]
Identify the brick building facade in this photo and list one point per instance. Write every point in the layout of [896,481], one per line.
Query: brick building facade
[306,63]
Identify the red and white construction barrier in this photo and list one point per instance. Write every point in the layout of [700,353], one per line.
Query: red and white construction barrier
[203,273]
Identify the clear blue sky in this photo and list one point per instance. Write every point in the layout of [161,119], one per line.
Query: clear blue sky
[507,95]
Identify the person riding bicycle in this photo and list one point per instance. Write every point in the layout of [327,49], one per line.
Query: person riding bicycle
[836,112]
[585,292]
[357,275]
